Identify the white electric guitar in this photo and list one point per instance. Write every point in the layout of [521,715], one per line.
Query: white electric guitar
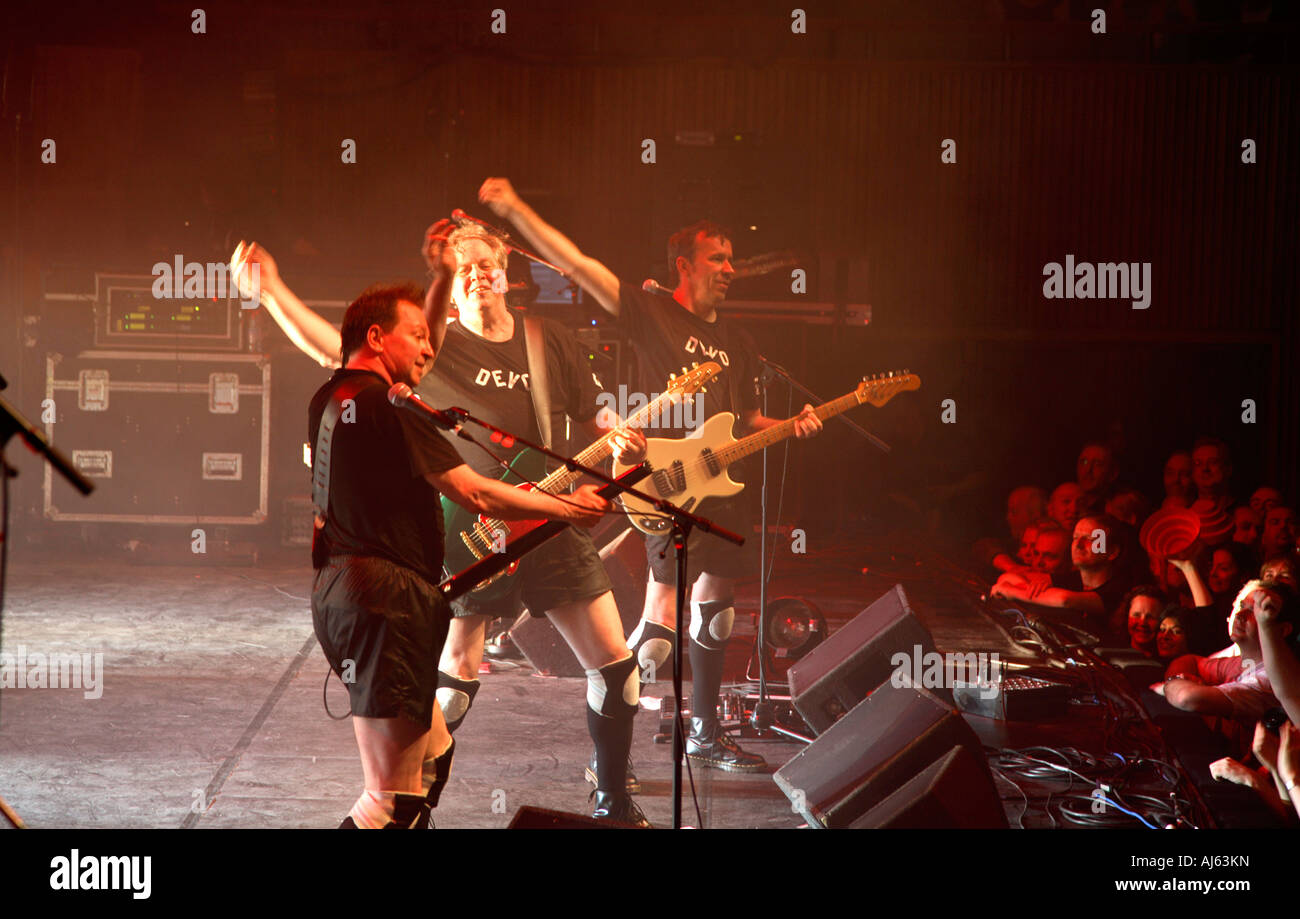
[688,470]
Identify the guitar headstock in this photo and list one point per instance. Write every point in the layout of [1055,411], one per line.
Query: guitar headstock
[881,387]
[693,380]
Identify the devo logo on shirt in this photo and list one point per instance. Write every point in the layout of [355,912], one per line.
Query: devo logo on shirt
[695,346]
[501,380]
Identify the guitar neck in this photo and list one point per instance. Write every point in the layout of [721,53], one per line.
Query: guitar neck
[562,478]
[779,432]
[599,451]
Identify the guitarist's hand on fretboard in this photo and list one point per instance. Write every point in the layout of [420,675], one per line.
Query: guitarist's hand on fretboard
[807,424]
[629,446]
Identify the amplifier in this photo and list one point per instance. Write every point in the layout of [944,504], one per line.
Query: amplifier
[167,438]
[1016,698]
[140,311]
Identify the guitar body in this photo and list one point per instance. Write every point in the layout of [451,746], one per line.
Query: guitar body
[689,471]
[682,471]
[467,538]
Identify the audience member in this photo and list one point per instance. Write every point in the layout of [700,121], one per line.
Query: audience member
[1064,505]
[1172,639]
[1275,774]
[1099,587]
[1130,506]
[1277,619]
[1025,505]
[1277,540]
[1265,498]
[1211,470]
[1180,490]
[1095,474]
[1052,553]
[1283,570]
[1028,538]
[1224,569]
[1143,607]
[1234,683]
[1246,524]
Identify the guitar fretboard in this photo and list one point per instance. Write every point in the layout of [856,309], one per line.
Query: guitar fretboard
[779,432]
[597,452]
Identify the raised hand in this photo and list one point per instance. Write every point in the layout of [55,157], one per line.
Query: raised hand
[246,256]
[440,257]
[499,195]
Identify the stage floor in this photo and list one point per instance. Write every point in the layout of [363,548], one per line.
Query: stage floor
[209,712]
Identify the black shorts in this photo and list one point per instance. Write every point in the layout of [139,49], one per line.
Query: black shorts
[564,569]
[382,628]
[708,554]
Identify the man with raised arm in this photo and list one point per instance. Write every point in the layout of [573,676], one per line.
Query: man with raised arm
[378,551]
[481,365]
[670,333]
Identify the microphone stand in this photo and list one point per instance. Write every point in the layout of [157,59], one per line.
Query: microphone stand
[12,422]
[763,718]
[683,522]
[461,217]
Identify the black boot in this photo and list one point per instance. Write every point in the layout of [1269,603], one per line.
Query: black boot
[441,772]
[410,812]
[619,809]
[633,787]
[709,746]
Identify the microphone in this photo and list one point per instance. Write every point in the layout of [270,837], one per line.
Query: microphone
[651,286]
[402,397]
[462,219]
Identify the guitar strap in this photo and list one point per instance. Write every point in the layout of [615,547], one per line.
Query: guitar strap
[539,383]
[320,459]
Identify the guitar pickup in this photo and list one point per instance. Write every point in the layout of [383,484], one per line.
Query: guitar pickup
[711,461]
[677,475]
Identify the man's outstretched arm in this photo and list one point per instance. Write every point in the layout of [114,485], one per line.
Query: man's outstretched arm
[441,259]
[307,329]
[591,275]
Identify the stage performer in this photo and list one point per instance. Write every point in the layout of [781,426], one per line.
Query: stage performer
[482,366]
[670,333]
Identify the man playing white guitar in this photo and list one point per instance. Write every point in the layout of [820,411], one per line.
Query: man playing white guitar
[671,333]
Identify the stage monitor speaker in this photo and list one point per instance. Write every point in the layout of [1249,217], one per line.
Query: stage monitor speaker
[856,658]
[548,652]
[955,792]
[539,818]
[860,760]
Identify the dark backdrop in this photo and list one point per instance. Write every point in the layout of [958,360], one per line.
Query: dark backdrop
[1125,147]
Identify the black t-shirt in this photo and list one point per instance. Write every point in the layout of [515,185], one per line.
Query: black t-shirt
[379,502]
[668,339]
[490,380]
[1110,593]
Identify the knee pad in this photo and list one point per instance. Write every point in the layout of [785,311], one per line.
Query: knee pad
[615,689]
[652,644]
[711,623]
[455,696]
